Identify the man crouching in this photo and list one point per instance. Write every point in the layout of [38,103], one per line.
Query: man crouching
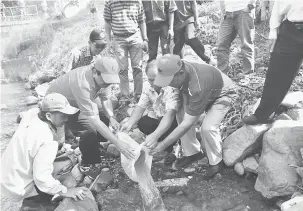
[27,164]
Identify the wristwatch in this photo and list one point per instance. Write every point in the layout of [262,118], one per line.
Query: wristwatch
[251,6]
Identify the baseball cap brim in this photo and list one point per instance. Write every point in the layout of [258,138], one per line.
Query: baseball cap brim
[110,78]
[70,110]
[163,81]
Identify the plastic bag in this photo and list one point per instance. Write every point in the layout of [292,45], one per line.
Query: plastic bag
[138,170]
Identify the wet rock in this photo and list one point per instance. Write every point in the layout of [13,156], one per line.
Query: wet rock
[112,150]
[281,146]
[242,143]
[250,164]
[31,100]
[239,168]
[169,174]
[296,114]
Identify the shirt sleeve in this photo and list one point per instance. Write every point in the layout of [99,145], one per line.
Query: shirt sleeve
[107,14]
[144,101]
[84,100]
[141,17]
[278,13]
[43,169]
[172,99]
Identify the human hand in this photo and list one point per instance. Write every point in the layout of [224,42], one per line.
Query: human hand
[145,45]
[78,193]
[273,35]
[113,122]
[151,141]
[160,147]
[126,150]
[170,33]
[76,54]
[126,126]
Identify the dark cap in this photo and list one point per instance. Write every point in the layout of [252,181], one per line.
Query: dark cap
[96,37]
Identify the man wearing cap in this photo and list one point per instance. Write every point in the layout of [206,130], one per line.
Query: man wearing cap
[87,88]
[126,20]
[28,163]
[204,89]
[85,55]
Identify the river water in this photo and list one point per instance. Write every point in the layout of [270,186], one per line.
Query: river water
[14,97]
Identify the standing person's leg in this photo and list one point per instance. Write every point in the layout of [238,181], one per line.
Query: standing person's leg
[246,29]
[211,136]
[153,34]
[227,33]
[179,40]
[189,142]
[121,54]
[194,42]
[284,64]
[164,39]
[136,57]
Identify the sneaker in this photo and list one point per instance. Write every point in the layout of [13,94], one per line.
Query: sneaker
[252,120]
[90,170]
[213,170]
[187,160]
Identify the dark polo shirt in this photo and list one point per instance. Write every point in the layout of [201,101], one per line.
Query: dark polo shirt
[205,86]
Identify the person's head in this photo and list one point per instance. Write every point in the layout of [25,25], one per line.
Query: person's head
[105,71]
[55,108]
[170,71]
[96,42]
[151,71]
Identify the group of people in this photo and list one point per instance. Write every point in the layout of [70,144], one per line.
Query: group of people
[177,94]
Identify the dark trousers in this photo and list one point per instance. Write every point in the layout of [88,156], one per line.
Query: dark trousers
[89,137]
[284,65]
[156,31]
[148,125]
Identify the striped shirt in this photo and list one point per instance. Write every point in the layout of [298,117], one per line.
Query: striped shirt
[124,16]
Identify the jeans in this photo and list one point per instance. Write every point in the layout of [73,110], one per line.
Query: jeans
[131,45]
[154,33]
[241,23]
[285,60]
[89,137]
[148,125]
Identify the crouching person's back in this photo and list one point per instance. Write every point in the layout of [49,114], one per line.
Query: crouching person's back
[28,162]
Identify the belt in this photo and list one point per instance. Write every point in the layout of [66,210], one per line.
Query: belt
[125,35]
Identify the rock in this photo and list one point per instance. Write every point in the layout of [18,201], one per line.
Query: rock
[250,164]
[169,174]
[260,69]
[27,86]
[242,143]
[189,207]
[112,150]
[3,107]
[176,182]
[104,180]
[296,114]
[218,176]
[105,169]
[31,100]
[293,99]
[281,146]
[87,181]
[179,193]
[239,168]
[76,173]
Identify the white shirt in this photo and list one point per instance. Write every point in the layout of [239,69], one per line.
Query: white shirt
[284,9]
[158,104]
[236,5]
[28,160]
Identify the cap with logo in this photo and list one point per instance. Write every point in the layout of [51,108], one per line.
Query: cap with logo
[57,102]
[96,37]
[168,65]
[109,69]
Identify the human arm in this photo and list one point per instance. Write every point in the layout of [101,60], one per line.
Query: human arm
[182,128]
[107,21]
[142,26]
[133,119]
[171,16]
[165,123]
[195,11]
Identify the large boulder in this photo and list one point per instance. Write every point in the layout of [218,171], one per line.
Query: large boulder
[296,114]
[293,99]
[243,143]
[281,147]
